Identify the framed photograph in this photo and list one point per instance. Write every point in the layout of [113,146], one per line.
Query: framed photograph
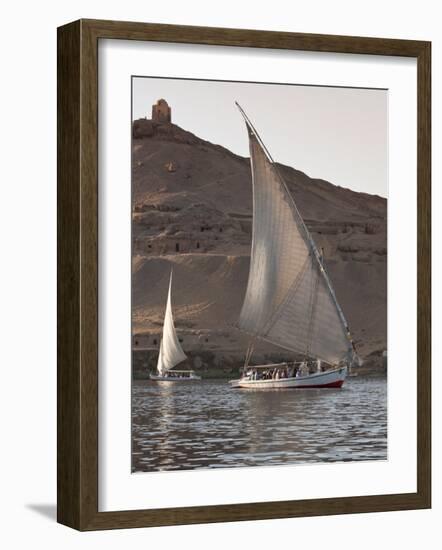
[243,275]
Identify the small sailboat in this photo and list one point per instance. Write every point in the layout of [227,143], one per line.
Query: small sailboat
[289,300]
[171,352]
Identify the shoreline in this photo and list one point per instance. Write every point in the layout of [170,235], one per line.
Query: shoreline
[223,366]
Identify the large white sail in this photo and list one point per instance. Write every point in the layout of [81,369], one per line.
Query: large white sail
[289,300]
[171,352]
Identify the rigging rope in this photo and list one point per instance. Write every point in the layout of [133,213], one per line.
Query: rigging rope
[313,302]
[249,354]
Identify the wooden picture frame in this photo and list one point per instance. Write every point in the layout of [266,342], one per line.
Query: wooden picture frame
[77,226]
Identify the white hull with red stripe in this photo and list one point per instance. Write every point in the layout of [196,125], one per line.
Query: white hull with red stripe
[329,379]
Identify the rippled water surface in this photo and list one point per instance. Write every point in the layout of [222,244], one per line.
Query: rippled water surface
[205,424]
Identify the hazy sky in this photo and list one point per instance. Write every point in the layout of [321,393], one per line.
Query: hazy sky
[337,134]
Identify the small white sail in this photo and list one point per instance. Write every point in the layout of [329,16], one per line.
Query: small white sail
[171,352]
[289,300]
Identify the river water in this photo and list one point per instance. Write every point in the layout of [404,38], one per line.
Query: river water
[205,424]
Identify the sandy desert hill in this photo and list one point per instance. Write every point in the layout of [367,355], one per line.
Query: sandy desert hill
[192,209]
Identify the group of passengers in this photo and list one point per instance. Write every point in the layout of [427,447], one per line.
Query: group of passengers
[174,374]
[279,373]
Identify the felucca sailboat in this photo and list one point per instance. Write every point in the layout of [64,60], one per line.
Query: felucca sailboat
[171,352]
[289,300]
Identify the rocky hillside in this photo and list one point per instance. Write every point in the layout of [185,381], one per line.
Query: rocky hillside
[192,208]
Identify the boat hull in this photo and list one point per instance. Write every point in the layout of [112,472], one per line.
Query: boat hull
[173,379]
[330,379]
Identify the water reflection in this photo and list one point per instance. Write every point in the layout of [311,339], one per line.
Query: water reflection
[205,424]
